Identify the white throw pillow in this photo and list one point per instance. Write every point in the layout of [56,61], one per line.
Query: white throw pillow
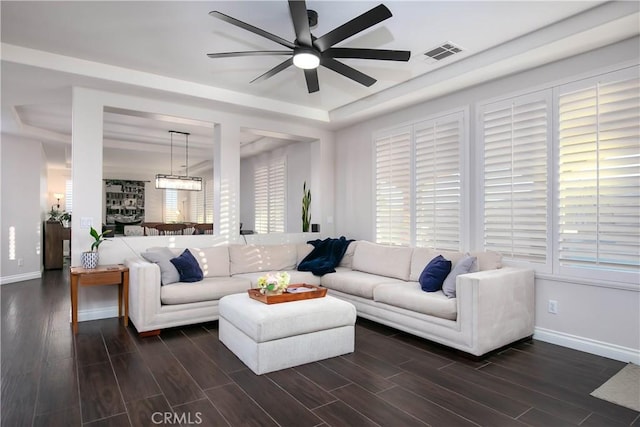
[465,265]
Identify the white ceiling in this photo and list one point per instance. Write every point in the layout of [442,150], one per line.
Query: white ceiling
[158,49]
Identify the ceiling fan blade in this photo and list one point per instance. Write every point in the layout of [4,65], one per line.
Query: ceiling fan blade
[312,80]
[249,53]
[300,20]
[362,22]
[380,54]
[275,70]
[251,28]
[347,71]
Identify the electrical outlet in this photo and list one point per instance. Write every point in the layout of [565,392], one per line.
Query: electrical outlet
[553,306]
[20,262]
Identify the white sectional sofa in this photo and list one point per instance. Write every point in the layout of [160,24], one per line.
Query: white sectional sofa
[493,307]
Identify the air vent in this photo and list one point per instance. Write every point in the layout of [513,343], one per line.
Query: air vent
[443,51]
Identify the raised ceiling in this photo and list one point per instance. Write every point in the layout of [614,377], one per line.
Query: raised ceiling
[158,48]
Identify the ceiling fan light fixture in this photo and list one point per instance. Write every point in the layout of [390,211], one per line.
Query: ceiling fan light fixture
[307,59]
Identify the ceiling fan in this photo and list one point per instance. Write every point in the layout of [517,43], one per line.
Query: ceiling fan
[308,52]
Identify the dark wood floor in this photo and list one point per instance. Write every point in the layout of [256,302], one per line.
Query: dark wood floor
[107,376]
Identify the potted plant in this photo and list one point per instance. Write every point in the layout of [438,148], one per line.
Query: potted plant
[54,215]
[306,203]
[65,218]
[90,259]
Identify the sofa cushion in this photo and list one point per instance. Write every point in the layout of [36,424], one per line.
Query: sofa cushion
[433,275]
[355,282]
[465,265]
[487,260]
[162,257]
[347,258]
[410,296]
[213,260]
[389,261]
[302,250]
[209,289]
[252,258]
[188,267]
[422,256]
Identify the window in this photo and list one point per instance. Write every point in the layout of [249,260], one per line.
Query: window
[269,193]
[599,175]
[201,203]
[196,202]
[68,195]
[171,206]
[208,201]
[437,183]
[393,187]
[515,135]
[418,184]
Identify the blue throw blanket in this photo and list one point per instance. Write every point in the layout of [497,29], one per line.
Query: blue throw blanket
[325,256]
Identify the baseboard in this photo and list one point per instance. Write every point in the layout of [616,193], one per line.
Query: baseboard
[98,313]
[600,348]
[20,277]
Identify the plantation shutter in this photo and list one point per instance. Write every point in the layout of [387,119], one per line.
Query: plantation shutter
[170,206]
[270,200]
[437,183]
[261,199]
[196,201]
[277,197]
[208,201]
[393,187]
[68,195]
[599,175]
[515,135]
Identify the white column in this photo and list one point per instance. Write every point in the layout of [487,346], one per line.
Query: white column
[86,170]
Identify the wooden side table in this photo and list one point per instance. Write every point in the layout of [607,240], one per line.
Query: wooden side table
[116,274]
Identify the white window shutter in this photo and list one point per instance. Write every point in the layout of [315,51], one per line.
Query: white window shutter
[170,205]
[68,195]
[261,198]
[599,175]
[393,187]
[515,137]
[277,200]
[437,183]
[270,199]
[208,201]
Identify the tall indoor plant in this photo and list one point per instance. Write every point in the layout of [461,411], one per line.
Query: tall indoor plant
[306,203]
[90,259]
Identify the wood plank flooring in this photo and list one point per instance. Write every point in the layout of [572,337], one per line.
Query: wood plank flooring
[108,376]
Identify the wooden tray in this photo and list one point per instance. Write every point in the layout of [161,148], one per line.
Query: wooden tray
[317,292]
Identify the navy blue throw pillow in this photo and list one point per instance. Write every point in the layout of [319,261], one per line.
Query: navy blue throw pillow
[434,273]
[188,267]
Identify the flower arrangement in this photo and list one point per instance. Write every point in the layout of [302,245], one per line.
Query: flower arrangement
[273,282]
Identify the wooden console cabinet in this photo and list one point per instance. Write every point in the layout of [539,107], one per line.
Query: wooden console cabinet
[54,236]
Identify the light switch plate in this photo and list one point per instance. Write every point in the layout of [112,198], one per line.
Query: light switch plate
[86,222]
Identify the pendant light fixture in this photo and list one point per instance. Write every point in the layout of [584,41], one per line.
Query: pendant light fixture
[179,182]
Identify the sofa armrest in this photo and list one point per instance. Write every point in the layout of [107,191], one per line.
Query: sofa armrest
[144,293]
[497,306]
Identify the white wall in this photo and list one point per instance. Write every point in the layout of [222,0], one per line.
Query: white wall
[23,198]
[592,316]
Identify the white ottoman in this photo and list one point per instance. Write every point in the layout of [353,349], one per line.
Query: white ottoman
[270,337]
